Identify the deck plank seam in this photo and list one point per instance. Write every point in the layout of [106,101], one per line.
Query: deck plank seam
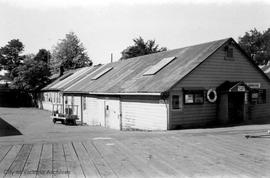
[12,162]
[104,158]
[39,159]
[91,160]
[26,160]
[6,153]
[78,158]
[65,158]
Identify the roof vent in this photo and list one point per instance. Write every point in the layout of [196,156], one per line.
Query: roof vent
[157,67]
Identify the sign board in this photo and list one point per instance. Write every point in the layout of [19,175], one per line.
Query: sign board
[241,88]
[254,85]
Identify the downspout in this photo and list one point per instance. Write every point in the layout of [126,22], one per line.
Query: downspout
[63,104]
[165,97]
[82,109]
[120,105]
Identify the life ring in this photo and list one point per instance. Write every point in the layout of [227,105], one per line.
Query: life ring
[211,95]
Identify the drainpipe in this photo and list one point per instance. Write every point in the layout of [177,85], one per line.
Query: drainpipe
[63,104]
[165,97]
[82,110]
[111,57]
[121,119]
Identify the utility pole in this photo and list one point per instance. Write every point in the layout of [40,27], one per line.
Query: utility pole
[111,57]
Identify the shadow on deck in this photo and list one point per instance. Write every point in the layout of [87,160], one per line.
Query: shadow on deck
[7,130]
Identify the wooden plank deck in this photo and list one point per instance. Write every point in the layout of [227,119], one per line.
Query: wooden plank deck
[164,156]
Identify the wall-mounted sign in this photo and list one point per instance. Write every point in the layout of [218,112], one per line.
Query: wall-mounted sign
[254,85]
[241,88]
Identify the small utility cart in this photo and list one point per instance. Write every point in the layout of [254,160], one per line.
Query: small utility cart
[68,117]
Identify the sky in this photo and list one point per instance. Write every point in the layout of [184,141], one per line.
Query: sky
[108,26]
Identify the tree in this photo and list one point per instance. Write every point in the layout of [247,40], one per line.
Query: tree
[256,45]
[32,74]
[69,53]
[43,55]
[140,48]
[10,56]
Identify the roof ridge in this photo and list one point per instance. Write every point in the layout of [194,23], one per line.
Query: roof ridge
[175,49]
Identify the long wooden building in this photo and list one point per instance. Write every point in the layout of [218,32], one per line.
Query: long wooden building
[214,82]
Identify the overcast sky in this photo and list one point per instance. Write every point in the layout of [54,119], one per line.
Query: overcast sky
[108,26]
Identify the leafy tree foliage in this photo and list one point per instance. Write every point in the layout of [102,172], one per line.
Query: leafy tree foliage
[257,45]
[69,53]
[32,75]
[140,48]
[10,56]
[43,55]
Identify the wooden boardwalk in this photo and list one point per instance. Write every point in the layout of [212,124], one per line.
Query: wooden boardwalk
[40,148]
[170,155]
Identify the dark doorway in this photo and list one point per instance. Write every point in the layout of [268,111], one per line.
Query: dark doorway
[236,107]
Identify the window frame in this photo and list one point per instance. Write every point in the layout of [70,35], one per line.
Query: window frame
[261,96]
[179,102]
[193,93]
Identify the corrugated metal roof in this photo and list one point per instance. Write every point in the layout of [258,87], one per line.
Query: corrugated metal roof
[66,74]
[127,75]
[69,79]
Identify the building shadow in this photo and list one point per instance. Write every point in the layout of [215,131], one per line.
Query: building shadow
[7,129]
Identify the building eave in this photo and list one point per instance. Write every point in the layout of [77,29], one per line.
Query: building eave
[140,94]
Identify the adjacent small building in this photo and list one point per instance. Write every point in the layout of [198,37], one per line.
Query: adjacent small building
[52,97]
[209,83]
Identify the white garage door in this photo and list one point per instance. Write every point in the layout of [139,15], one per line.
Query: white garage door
[145,115]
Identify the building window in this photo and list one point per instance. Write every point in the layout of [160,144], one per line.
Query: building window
[261,96]
[175,102]
[50,97]
[194,97]
[258,96]
[66,100]
[84,103]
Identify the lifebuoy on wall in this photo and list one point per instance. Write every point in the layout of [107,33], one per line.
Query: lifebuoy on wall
[211,95]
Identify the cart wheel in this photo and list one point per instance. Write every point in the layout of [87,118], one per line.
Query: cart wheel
[54,120]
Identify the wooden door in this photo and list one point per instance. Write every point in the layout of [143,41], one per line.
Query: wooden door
[94,111]
[236,107]
[112,114]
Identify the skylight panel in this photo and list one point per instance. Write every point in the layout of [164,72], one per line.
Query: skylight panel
[267,70]
[65,76]
[157,67]
[102,73]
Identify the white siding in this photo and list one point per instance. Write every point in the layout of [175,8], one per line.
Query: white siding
[94,112]
[50,98]
[46,106]
[145,115]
